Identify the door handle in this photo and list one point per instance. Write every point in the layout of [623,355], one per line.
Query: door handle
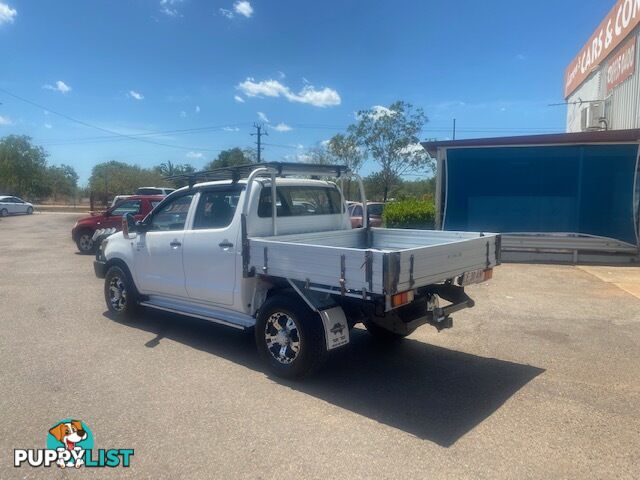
[175,244]
[225,244]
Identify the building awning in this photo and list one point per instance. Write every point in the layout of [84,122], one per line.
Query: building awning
[579,138]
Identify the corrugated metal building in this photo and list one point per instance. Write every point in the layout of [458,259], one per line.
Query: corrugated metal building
[602,87]
[570,197]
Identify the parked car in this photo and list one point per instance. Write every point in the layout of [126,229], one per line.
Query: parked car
[14,205]
[84,231]
[283,261]
[154,191]
[374,210]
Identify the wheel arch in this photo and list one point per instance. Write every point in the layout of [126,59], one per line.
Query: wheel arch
[118,262]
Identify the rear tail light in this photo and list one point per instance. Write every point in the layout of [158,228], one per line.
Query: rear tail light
[403,298]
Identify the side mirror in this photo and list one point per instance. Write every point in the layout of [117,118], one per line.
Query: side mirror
[128,225]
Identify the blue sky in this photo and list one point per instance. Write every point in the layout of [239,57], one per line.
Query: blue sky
[143,66]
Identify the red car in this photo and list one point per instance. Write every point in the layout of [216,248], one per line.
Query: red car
[374,209]
[83,231]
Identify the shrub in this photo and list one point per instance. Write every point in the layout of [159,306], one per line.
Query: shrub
[412,213]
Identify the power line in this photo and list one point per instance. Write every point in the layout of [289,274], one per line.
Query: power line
[184,131]
[96,127]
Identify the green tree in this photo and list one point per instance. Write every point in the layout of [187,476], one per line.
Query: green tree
[390,138]
[23,167]
[231,158]
[170,169]
[62,180]
[344,150]
[118,178]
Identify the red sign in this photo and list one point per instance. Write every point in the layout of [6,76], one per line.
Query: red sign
[620,21]
[622,65]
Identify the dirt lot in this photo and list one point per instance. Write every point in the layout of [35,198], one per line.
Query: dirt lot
[540,380]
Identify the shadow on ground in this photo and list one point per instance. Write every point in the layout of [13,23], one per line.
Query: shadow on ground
[431,392]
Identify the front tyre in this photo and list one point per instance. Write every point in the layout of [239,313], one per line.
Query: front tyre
[120,293]
[85,242]
[29,210]
[289,337]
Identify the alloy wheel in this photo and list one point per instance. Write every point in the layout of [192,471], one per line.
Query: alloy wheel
[282,337]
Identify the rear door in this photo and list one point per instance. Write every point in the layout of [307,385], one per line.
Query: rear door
[158,251]
[211,246]
[19,205]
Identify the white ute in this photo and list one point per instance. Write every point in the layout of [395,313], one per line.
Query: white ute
[260,247]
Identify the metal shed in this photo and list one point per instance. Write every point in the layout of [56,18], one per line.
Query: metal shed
[569,197]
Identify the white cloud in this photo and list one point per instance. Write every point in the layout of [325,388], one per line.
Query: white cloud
[238,98]
[521,56]
[281,75]
[60,86]
[263,117]
[243,7]
[136,95]
[412,149]
[194,155]
[7,14]
[325,97]
[197,109]
[5,121]
[48,125]
[378,111]
[282,127]
[183,114]
[226,13]
[231,129]
[170,7]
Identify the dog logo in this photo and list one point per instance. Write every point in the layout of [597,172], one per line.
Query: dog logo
[73,436]
[337,329]
[70,444]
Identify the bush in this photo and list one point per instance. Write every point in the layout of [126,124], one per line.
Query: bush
[413,213]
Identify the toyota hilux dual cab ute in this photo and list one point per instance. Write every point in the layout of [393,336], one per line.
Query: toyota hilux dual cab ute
[257,247]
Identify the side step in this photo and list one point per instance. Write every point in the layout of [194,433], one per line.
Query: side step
[229,318]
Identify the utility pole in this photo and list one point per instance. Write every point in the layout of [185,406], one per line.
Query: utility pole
[259,134]
[454,129]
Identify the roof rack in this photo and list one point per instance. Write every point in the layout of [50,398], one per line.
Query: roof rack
[279,168]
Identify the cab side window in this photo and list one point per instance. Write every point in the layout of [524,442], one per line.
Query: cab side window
[172,215]
[216,208]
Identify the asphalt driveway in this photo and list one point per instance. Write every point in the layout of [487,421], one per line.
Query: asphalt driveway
[540,380]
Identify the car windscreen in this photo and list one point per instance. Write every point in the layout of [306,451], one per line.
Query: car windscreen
[375,209]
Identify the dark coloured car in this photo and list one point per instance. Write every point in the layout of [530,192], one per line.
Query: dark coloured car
[85,228]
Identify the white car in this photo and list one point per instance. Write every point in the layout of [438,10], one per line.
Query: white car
[14,205]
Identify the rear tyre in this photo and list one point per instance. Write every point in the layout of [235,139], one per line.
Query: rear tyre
[289,337]
[85,242]
[382,334]
[29,210]
[120,293]
[4,212]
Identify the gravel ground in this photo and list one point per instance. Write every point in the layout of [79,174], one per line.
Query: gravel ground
[539,380]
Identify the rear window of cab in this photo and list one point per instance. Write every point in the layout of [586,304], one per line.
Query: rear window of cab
[293,201]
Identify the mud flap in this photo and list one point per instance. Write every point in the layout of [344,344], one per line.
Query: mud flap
[336,328]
